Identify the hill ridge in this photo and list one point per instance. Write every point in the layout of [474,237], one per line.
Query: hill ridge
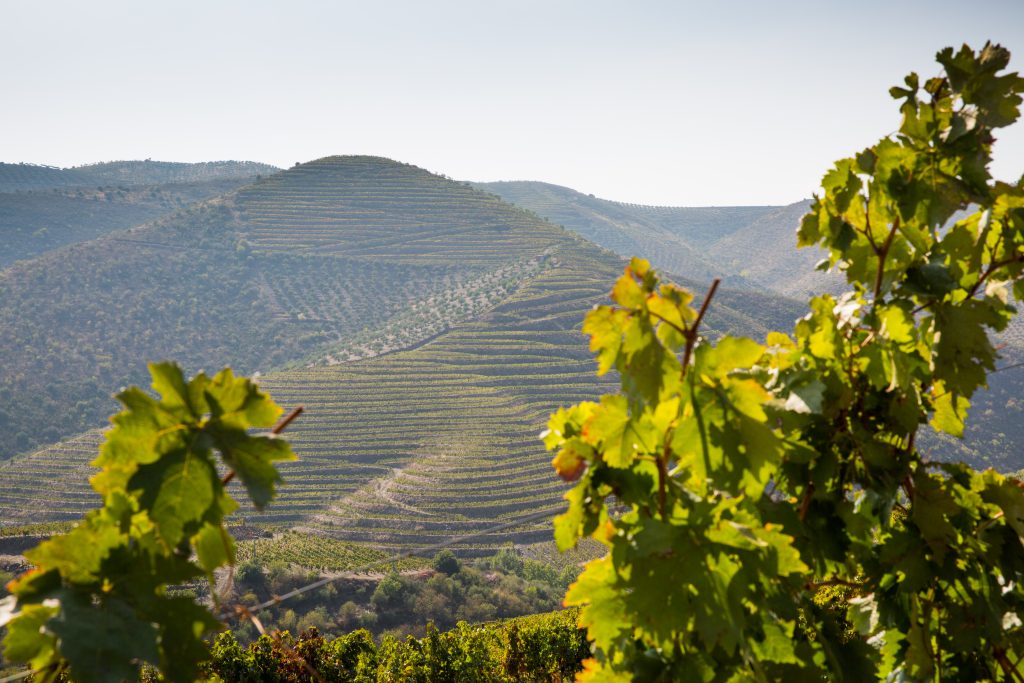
[22,176]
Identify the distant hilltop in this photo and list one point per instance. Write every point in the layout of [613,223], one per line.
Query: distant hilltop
[24,176]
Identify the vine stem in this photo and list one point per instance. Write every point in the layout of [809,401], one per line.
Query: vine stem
[668,322]
[882,254]
[992,268]
[805,504]
[691,333]
[1008,667]
[288,419]
[663,475]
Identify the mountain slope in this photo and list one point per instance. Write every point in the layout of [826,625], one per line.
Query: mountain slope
[404,449]
[747,246]
[37,221]
[394,449]
[676,238]
[235,281]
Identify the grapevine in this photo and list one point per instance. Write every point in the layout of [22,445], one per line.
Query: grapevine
[97,605]
[734,482]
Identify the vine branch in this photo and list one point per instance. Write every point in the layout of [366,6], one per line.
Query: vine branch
[692,332]
[883,253]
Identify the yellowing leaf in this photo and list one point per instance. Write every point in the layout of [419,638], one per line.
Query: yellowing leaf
[594,672]
[627,292]
[897,324]
[605,327]
[569,463]
[728,355]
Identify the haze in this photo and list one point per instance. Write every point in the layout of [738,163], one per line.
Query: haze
[679,103]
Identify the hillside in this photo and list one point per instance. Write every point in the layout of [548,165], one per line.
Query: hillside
[305,265]
[428,328]
[233,281]
[677,236]
[21,177]
[747,246]
[34,222]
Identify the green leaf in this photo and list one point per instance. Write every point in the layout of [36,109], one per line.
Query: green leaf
[140,435]
[178,491]
[603,611]
[169,382]
[78,555]
[863,614]
[237,402]
[778,645]
[103,643]
[214,547]
[569,524]
[252,458]
[28,639]
[102,586]
[183,625]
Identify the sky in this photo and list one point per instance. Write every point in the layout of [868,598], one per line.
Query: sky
[668,103]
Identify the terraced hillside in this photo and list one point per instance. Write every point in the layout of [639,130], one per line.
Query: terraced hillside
[753,246]
[37,221]
[405,449]
[286,269]
[364,208]
[397,449]
[426,376]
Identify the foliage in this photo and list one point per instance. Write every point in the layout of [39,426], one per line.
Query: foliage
[535,649]
[479,590]
[732,481]
[97,604]
[446,562]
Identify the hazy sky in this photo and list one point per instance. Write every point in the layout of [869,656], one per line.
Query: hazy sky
[683,103]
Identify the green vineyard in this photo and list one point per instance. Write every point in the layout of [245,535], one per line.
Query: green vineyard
[426,376]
